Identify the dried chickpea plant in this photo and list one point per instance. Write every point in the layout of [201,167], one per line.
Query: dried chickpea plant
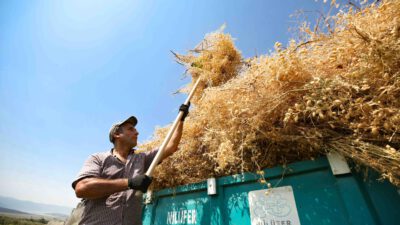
[336,90]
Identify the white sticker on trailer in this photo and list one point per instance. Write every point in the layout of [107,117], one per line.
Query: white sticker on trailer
[274,206]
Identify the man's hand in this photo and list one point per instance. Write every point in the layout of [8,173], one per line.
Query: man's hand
[185,109]
[140,183]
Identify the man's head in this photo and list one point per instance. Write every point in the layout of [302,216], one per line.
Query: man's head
[124,132]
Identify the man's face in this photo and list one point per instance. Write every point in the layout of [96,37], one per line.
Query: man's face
[128,134]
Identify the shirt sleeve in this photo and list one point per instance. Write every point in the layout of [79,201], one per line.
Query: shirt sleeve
[91,168]
[149,157]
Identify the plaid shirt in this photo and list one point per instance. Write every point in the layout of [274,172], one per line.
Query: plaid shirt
[123,207]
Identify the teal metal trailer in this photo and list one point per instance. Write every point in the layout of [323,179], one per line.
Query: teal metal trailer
[306,192]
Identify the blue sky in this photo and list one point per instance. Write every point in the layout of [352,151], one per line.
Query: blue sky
[69,69]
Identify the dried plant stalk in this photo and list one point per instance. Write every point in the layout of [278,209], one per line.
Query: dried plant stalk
[335,90]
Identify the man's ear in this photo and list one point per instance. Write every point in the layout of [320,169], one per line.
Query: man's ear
[117,135]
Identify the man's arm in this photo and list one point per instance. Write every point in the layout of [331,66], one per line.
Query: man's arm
[174,142]
[92,188]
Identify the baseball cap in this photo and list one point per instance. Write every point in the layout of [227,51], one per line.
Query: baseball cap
[132,120]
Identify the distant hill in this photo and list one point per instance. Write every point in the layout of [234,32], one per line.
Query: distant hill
[11,216]
[33,207]
[5,210]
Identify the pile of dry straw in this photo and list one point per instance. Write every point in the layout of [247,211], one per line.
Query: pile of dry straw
[334,90]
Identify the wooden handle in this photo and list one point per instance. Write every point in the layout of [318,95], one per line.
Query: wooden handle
[170,132]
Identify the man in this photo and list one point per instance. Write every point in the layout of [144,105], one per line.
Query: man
[111,183]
